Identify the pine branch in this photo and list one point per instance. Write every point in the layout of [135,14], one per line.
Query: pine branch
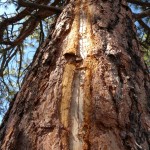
[138,2]
[146,27]
[143,14]
[38,6]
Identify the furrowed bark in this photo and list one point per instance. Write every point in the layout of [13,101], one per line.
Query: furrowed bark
[87,88]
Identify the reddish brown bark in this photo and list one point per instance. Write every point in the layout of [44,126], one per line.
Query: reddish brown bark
[87,88]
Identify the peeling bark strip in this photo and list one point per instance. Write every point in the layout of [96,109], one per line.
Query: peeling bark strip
[79,104]
[76,112]
[87,89]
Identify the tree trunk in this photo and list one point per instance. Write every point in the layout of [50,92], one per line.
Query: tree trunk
[87,88]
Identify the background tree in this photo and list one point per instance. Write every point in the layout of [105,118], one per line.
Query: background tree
[87,87]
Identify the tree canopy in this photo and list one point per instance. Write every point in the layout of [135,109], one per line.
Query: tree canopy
[26,28]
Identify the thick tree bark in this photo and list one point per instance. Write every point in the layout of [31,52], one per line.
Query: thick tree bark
[87,88]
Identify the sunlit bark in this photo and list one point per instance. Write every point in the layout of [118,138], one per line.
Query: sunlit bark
[87,88]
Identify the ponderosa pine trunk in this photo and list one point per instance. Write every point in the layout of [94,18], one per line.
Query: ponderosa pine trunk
[87,88]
